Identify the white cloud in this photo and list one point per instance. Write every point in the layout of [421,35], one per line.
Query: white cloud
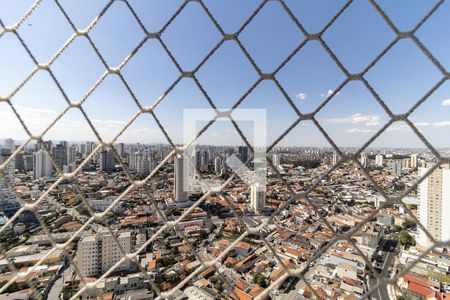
[32,110]
[360,130]
[301,96]
[441,124]
[112,126]
[329,93]
[71,127]
[368,120]
[422,124]
[109,122]
[397,127]
[446,102]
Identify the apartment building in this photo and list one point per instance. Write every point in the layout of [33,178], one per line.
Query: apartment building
[434,205]
[98,253]
[258,198]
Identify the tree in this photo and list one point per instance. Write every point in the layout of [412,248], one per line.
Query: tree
[408,224]
[396,228]
[83,211]
[176,212]
[406,295]
[13,287]
[173,278]
[406,239]
[166,262]
[259,279]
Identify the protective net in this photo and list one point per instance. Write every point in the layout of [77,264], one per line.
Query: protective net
[286,269]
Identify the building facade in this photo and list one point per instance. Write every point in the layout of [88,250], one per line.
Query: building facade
[43,166]
[379,159]
[179,190]
[434,205]
[98,253]
[258,198]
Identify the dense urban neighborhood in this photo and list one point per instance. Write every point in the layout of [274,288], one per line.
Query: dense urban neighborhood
[83,220]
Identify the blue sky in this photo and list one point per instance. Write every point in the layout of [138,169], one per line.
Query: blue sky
[401,77]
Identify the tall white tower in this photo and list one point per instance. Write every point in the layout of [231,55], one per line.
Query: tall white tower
[363,160]
[434,196]
[335,158]
[179,192]
[218,165]
[9,144]
[414,161]
[258,197]
[42,164]
[379,160]
[276,160]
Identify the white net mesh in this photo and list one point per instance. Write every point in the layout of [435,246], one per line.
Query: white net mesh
[215,263]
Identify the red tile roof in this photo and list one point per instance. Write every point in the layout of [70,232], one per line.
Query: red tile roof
[240,295]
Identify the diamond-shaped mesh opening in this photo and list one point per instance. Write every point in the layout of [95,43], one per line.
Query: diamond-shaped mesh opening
[406,14]
[431,118]
[150,57]
[369,38]
[280,114]
[36,32]
[361,119]
[110,34]
[310,76]
[405,67]
[13,71]
[265,45]
[436,41]
[80,57]
[243,253]
[29,102]
[200,36]
[234,70]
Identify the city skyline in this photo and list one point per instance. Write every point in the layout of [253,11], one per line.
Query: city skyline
[351,118]
[342,148]
[107,191]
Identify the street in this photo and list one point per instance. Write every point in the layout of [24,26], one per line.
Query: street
[381,292]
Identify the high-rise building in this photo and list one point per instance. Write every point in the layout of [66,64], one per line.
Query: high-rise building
[120,148]
[82,150]
[257,197]
[434,204]
[8,201]
[9,144]
[204,161]
[59,153]
[179,191]
[276,160]
[96,254]
[379,159]
[28,162]
[143,165]
[243,153]
[43,165]
[335,158]
[218,165]
[89,148]
[71,154]
[45,145]
[132,158]
[363,160]
[397,167]
[414,161]
[107,161]
[406,163]
[19,163]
